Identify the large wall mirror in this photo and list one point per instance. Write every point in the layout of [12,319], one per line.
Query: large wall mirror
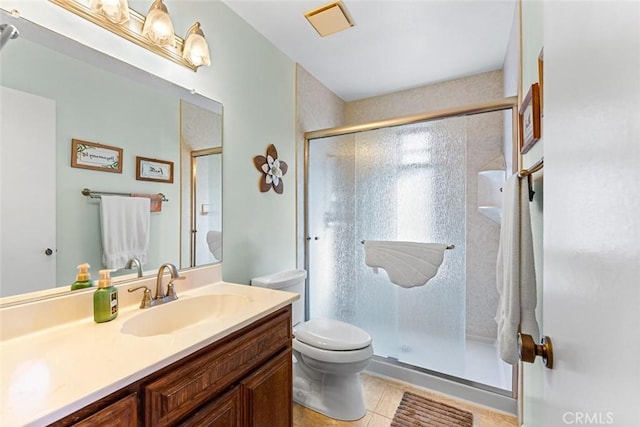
[54,91]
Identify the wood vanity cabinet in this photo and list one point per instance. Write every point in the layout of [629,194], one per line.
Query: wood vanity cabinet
[244,379]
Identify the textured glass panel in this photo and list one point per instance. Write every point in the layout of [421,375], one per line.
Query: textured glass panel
[406,183]
[331,218]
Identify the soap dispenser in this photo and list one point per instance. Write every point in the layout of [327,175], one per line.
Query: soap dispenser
[105,299]
[83,279]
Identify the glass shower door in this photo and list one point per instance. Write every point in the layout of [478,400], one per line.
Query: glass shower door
[398,184]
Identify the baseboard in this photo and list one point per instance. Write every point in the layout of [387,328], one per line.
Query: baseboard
[470,392]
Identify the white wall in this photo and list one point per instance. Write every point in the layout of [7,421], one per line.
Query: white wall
[592,226]
[256,84]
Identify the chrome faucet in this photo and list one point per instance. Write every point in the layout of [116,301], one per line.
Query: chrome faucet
[134,262]
[160,297]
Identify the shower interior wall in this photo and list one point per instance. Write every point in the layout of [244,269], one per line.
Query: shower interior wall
[319,108]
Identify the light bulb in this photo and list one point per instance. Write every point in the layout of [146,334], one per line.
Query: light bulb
[116,11]
[196,48]
[157,26]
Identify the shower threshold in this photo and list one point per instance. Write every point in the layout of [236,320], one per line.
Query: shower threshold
[460,388]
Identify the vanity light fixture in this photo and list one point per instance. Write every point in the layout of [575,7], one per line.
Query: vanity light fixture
[116,11]
[196,48]
[158,26]
[153,32]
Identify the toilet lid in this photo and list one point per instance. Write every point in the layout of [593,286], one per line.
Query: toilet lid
[331,334]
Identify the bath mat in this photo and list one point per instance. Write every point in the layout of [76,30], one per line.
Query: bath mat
[418,411]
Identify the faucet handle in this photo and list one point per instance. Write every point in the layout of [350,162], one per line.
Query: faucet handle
[171,290]
[146,296]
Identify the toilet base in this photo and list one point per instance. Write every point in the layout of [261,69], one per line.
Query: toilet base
[336,396]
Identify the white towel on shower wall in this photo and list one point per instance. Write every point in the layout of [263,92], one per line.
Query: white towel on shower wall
[515,274]
[407,264]
[125,229]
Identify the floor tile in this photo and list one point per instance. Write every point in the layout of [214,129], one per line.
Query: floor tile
[372,387]
[379,421]
[382,397]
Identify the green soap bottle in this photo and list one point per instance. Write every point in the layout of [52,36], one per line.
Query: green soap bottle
[83,279]
[105,299]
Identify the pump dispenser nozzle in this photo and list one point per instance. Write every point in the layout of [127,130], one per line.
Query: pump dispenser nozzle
[83,278]
[105,279]
[83,272]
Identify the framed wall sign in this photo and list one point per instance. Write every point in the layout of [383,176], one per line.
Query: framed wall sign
[154,170]
[541,80]
[530,119]
[94,156]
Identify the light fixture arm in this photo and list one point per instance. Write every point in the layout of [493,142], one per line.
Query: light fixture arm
[157,4]
[194,29]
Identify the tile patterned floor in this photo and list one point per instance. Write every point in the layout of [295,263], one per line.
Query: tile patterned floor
[382,396]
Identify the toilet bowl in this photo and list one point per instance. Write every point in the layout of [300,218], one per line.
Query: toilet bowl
[328,355]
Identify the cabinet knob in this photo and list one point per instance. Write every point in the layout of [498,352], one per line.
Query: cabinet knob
[48,252]
[528,350]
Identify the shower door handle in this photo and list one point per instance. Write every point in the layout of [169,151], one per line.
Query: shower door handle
[528,350]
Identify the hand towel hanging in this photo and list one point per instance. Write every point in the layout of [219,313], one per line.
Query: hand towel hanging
[515,273]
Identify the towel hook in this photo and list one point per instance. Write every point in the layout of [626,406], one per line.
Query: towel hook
[530,185]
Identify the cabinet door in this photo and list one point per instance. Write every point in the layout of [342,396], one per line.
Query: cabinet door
[123,413]
[267,394]
[225,411]
[191,383]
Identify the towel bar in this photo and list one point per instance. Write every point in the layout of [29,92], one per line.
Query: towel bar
[448,247]
[98,194]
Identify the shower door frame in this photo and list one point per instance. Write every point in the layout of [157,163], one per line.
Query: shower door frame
[193,214]
[509,103]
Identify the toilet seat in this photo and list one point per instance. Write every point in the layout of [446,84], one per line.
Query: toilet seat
[333,356]
[329,334]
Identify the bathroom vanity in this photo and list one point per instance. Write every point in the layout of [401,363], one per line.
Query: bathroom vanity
[228,365]
[242,380]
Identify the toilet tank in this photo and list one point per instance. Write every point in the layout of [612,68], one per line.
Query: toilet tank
[290,281]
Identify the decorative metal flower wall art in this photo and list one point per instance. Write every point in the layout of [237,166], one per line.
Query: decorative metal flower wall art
[272,168]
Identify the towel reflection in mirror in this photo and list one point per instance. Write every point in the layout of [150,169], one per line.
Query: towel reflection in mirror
[125,229]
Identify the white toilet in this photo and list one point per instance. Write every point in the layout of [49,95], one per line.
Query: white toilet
[328,355]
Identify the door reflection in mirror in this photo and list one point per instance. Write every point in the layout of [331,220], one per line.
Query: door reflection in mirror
[201,237]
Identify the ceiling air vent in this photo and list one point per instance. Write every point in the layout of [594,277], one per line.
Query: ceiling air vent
[330,18]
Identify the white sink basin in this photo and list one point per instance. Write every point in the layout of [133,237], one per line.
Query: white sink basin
[182,313]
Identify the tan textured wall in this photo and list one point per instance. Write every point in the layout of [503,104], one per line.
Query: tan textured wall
[453,93]
[317,108]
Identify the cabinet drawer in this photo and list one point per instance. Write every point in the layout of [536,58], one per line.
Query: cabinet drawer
[123,413]
[191,383]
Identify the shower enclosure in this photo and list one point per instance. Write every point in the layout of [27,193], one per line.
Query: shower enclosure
[410,181]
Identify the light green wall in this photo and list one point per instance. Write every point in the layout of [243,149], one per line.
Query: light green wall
[256,84]
[532,42]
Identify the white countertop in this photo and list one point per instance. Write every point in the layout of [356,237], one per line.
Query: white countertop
[51,373]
